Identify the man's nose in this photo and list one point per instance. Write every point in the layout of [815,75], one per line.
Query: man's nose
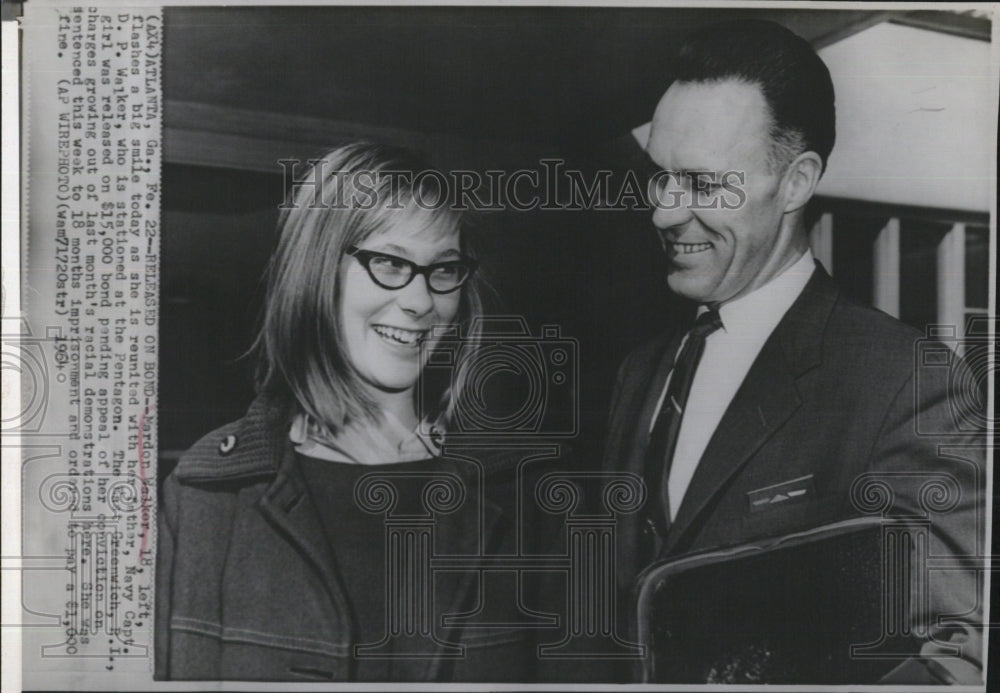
[671,206]
[671,213]
[416,298]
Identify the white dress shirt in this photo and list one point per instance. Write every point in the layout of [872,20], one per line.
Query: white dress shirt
[729,353]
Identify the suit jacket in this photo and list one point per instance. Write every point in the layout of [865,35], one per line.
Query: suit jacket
[838,403]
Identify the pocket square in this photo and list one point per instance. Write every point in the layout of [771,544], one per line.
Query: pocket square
[784,493]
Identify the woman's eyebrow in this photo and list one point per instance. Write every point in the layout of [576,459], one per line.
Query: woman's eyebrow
[450,253]
[393,249]
[390,247]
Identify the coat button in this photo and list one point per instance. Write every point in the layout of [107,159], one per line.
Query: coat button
[227,444]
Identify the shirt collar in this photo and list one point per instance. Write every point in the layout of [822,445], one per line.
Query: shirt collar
[364,442]
[759,312]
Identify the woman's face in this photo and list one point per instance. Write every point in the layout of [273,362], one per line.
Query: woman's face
[382,328]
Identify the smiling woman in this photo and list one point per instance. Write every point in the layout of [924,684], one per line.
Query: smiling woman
[277,559]
[340,333]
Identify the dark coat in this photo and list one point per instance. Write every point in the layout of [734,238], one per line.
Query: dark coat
[248,589]
[838,392]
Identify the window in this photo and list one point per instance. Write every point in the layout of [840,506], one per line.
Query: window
[924,266]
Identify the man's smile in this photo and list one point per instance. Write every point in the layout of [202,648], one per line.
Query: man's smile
[690,248]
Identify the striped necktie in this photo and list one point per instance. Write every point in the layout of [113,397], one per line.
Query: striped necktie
[663,438]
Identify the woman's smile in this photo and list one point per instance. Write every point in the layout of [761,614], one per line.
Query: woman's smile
[399,336]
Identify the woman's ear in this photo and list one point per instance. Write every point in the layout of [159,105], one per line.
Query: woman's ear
[801,178]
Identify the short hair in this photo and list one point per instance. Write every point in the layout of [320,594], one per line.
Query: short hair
[794,80]
[354,192]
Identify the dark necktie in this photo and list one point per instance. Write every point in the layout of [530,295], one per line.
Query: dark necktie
[663,438]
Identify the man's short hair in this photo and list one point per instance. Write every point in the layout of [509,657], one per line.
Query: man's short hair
[794,80]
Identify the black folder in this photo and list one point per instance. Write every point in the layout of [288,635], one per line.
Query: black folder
[809,608]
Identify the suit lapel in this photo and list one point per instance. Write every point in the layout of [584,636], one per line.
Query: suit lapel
[764,402]
[640,433]
[767,398]
[631,429]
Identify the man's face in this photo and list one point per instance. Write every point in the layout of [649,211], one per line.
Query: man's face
[717,252]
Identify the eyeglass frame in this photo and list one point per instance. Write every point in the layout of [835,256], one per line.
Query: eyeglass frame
[366,256]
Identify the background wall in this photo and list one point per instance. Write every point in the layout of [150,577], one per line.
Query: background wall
[913,106]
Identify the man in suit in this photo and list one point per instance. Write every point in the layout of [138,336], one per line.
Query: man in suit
[786,403]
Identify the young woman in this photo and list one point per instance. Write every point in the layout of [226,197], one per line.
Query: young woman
[278,556]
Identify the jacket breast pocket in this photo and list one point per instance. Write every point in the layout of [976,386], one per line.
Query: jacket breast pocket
[780,520]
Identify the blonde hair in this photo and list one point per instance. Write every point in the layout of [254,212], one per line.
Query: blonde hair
[303,363]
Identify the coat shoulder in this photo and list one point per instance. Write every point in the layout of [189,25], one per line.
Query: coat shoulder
[211,445]
[871,339]
[861,321]
[245,448]
[209,453]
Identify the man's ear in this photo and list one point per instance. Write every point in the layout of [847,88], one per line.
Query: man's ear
[801,179]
